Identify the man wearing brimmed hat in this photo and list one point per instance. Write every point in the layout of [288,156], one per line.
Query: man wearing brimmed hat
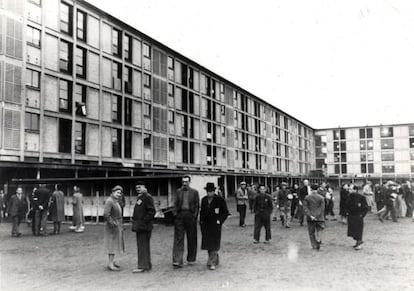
[242,200]
[213,213]
[263,207]
[186,208]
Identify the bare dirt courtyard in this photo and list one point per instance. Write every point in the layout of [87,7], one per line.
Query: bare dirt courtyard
[73,261]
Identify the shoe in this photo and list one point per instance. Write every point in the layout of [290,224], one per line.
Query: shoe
[380,218]
[266,242]
[79,230]
[18,234]
[72,227]
[212,268]
[255,241]
[357,248]
[139,270]
[116,265]
[110,268]
[287,226]
[192,263]
[177,266]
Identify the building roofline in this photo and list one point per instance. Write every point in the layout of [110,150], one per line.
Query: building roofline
[184,58]
[363,126]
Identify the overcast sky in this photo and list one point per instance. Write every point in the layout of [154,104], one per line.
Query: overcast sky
[328,63]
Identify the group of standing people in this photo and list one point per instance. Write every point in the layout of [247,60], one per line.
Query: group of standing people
[41,206]
[187,207]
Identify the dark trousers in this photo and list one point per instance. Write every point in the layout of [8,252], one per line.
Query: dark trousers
[380,205]
[314,229]
[329,206]
[262,219]
[144,252]
[185,223]
[241,209]
[40,220]
[293,208]
[300,214]
[16,223]
[56,227]
[251,203]
[213,258]
[409,212]
[388,208]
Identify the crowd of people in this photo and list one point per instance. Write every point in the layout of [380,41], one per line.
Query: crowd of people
[39,207]
[313,203]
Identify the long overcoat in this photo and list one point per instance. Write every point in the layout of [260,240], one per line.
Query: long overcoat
[212,216]
[114,231]
[342,202]
[357,208]
[57,206]
[78,217]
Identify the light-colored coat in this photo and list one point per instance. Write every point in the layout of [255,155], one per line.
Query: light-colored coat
[78,218]
[114,232]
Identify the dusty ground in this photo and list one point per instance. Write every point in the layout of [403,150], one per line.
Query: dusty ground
[77,261]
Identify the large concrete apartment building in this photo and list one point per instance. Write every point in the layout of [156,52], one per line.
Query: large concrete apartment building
[87,99]
[377,152]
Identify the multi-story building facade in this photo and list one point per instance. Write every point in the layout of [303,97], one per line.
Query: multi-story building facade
[86,98]
[368,152]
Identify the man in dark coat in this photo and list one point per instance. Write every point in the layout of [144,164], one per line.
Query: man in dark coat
[263,208]
[408,197]
[303,192]
[357,208]
[142,218]
[17,210]
[389,197]
[185,209]
[212,215]
[314,208]
[41,209]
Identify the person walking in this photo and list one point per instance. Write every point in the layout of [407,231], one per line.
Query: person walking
[314,208]
[142,225]
[357,208]
[78,219]
[213,213]
[41,199]
[329,203]
[369,195]
[343,197]
[284,200]
[303,192]
[274,195]
[251,193]
[242,200]
[295,202]
[185,209]
[17,209]
[113,231]
[57,209]
[263,207]
[389,198]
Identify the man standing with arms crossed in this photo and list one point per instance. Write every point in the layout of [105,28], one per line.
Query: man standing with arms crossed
[186,208]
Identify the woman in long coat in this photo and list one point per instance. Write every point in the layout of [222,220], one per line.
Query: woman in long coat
[343,196]
[78,219]
[57,209]
[357,208]
[212,215]
[114,233]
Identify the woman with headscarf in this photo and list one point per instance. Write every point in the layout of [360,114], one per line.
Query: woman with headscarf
[113,234]
[212,215]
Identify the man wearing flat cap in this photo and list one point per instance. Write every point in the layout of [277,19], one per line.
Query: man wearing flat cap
[185,210]
[242,200]
[213,213]
[284,200]
[142,218]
